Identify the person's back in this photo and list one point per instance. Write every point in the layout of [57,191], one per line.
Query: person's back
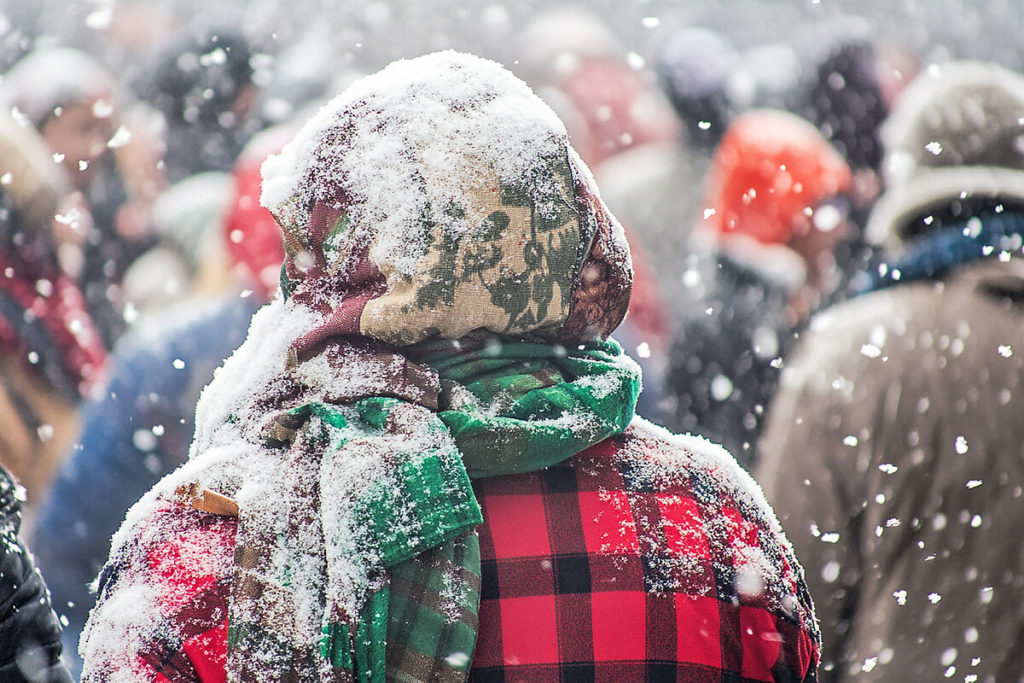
[893,448]
[903,400]
[423,463]
[761,262]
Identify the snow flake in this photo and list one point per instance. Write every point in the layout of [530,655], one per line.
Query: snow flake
[830,537]
[888,468]
[961,445]
[974,483]
[100,19]
[120,138]
[901,596]
[721,388]
[457,660]
[870,351]
[934,598]
[850,440]
[635,60]
[102,109]
[1005,350]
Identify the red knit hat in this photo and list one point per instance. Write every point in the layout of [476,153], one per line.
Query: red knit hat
[771,168]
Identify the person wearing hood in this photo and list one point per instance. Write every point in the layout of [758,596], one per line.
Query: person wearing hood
[423,463]
[893,446]
[72,100]
[761,263]
[50,353]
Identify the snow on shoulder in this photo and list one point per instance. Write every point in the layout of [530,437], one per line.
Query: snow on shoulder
[746,540]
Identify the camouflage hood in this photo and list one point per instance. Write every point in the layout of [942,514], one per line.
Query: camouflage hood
[439,197]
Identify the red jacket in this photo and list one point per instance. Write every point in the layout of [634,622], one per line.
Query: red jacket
[644,557]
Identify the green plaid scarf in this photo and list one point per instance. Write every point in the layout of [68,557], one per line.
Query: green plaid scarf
[384,479]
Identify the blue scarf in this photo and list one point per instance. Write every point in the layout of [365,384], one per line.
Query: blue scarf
[935,254]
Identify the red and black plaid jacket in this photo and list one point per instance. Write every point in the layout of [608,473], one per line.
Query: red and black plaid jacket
[642,558]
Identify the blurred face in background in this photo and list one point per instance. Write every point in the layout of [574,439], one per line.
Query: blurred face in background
[77,133]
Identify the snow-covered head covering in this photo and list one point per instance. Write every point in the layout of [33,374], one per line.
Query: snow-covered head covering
[441,196]
[48,78]
[956,132]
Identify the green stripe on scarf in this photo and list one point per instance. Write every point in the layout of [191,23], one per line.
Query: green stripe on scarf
[511,407]
[551,402]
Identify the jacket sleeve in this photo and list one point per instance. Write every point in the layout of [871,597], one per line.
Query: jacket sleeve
[30,644]
[181,635]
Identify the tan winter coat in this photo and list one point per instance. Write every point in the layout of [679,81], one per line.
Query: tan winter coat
[894,457]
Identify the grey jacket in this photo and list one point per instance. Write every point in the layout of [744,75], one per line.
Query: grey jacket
[894,457]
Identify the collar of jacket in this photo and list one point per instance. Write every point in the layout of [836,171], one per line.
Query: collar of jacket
[935,254]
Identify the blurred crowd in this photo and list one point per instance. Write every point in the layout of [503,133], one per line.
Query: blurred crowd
[827,251]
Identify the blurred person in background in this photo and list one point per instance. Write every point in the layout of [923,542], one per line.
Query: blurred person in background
[189,258]
[894,449]
[445,316]
[141,427]
[847,94]
[73,101]
[695,66]
[761,262]
[201,83]
[625,131]
[30,645]
[50,353]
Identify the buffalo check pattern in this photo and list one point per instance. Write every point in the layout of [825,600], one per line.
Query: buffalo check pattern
[589,573]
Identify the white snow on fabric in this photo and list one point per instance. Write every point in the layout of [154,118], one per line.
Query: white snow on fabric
[755,566]
[405,155]
[417,136]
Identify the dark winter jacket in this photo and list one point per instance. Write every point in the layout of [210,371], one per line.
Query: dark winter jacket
[725,358]
[893,455]
[29,632]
